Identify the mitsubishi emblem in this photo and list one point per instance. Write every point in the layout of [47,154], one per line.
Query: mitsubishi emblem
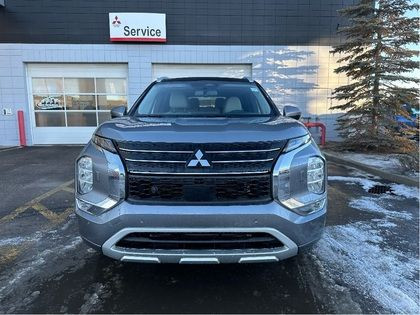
[197,160]
[116,22]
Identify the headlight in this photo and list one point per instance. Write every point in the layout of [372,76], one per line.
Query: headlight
[104,143]
[299,177]
[96,194]
[84,175]
[295,143]
[315,175]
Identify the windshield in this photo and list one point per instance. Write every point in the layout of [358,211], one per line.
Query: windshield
[204,98]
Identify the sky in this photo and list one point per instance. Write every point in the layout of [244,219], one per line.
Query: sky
[415,46]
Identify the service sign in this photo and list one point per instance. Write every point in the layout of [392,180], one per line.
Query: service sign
[137,27]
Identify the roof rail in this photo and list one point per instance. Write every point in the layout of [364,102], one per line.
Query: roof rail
[248,79]
[160,79]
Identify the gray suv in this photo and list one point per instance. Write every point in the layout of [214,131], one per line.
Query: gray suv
[201,170]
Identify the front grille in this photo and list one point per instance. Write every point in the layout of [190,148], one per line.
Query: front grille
[238,172]
[200,189]
[172,158]
[199,241]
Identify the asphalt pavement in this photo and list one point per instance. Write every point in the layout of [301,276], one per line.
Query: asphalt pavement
[366,262]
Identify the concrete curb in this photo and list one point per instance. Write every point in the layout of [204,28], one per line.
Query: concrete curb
[396,178]
[4,149]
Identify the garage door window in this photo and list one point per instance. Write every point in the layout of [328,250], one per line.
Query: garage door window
[76,102]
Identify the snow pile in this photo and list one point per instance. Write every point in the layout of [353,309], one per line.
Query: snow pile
[353,255]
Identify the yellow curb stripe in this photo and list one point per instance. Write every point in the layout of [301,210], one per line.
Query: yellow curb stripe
[68,189]
[10,253]
[34,201]
[50,215]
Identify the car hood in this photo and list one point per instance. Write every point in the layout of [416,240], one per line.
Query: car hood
[201,130]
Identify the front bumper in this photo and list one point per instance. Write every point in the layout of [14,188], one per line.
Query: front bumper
[292,230]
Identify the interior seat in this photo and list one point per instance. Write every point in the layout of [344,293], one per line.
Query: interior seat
[178,102]
[233,104]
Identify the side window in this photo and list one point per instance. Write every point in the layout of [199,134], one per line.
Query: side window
[68,102]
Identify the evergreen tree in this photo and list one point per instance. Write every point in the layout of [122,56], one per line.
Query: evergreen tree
[376,58]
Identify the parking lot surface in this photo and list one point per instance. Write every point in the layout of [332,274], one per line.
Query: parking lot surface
[366,262]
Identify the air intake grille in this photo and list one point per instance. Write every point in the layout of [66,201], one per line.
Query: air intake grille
[199,189]
[199,241]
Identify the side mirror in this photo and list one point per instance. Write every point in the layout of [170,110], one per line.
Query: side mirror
[118,111]
[291,111]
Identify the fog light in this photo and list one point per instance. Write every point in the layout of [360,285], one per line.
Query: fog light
[300,207]
[97,208]
[315,175]
[84,175]
[83,205]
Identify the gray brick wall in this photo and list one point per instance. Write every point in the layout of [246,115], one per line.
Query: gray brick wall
[301,75]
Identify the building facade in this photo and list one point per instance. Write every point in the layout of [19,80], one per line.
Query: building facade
[59,66]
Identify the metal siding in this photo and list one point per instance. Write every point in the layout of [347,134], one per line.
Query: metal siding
[189,22]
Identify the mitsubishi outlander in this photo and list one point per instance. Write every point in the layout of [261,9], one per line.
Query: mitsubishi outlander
[201,170]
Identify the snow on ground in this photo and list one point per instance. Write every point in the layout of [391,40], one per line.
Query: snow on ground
[388,162]
[397,189]
[364,182]
[14,241]
[370,204]
[381,161]
[405,191]
[385,162]
[35,265]
[356,256]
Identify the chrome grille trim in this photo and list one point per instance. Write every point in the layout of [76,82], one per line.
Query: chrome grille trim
[199,174]
[210,152]
[229,161]
[243,161]
[155,151]
[154,161]
[244,151]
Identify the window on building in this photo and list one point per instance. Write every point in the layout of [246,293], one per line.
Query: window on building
[76,102]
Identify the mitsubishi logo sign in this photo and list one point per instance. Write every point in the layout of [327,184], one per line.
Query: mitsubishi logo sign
[197,160]
[137,27]
[116,22]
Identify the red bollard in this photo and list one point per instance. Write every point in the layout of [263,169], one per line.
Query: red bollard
[318,124]
[21,122]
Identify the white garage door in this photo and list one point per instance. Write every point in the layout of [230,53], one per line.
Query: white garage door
[201,70]
[68,101]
